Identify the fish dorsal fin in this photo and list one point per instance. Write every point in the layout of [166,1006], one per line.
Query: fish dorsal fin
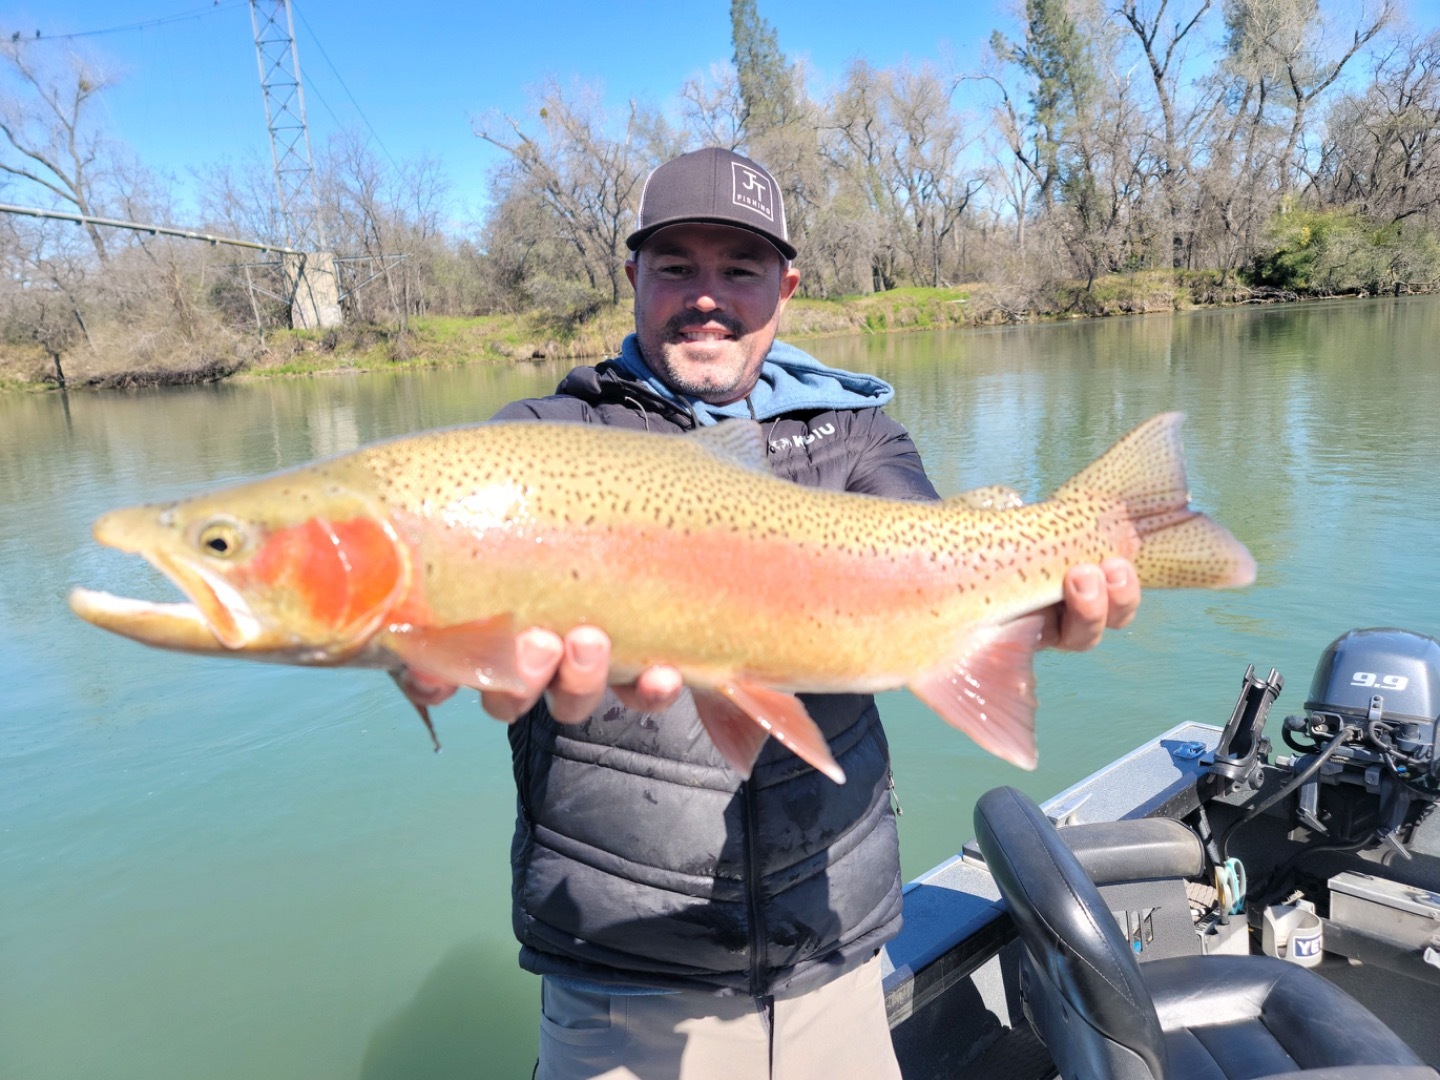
[738,442]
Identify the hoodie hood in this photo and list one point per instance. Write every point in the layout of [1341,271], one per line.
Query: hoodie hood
[790,380]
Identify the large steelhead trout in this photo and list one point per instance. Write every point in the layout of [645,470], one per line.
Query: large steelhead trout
[425,556]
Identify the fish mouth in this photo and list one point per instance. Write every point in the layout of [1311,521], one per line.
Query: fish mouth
[216,617]
[167,626]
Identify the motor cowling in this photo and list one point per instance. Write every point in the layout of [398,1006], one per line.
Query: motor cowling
[1372,717]
[1395,673]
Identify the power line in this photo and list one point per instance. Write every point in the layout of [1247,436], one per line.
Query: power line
[198,13]
[316,38]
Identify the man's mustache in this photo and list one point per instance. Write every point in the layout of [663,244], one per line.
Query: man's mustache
[680,323]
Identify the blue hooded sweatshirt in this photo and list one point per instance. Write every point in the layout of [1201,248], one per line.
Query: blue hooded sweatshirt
[790,380]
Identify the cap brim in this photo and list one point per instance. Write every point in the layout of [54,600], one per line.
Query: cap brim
[639,236]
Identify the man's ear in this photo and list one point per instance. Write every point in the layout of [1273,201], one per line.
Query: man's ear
[630,270]
[789,282]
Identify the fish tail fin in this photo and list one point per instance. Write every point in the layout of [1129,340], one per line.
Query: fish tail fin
[1179,547]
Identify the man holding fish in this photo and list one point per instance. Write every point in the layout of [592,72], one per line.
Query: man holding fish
[688,921]
[705,878]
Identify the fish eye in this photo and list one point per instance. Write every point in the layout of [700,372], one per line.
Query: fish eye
[222,539]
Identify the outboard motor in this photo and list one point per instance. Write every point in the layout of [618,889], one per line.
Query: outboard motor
[1370,723]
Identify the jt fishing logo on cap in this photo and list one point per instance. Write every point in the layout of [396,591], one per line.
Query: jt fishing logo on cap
[752,190]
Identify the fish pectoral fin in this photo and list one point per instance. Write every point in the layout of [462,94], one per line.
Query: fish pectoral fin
[988,689]
[477,654]
[738,716]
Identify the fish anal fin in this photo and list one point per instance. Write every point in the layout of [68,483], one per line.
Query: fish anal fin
[733,731]
[770,712]
[478,654]
[988,689]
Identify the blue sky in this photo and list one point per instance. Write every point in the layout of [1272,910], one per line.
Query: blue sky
[419,71]
[190,92]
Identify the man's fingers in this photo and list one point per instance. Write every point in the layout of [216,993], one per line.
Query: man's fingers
[579,683]
[1096,598]
[572,674]
[1123,587]
[654,691]
[537,657]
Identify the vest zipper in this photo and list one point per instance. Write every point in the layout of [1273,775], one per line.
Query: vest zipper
[752,891]
[894,795]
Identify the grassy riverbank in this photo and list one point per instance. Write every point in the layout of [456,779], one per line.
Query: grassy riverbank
[155,356]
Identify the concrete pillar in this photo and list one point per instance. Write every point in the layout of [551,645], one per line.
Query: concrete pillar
[316,302]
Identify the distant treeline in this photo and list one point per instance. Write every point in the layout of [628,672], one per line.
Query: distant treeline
[1264,145]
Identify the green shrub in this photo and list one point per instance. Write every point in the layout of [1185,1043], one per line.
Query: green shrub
[1323,252]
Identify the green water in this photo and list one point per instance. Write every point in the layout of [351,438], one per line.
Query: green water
[216,869]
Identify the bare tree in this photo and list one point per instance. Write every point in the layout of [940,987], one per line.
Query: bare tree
[1161,42]
[856,153]
[49,140]
[239,199]
[714,109]
[1286,42]
[588,170]
[1382,147]
[929,190]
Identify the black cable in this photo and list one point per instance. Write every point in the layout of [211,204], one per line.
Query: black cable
[315,38]
[1300,780]
[1268,892]
[163,20]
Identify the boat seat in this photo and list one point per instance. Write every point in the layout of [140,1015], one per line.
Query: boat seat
[1105,1016]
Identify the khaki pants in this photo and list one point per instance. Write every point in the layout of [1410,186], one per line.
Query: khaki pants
[832,1033]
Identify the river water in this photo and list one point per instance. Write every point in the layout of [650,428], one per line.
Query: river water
[216,869]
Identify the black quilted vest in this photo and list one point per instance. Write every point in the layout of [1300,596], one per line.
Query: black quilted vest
[639,856]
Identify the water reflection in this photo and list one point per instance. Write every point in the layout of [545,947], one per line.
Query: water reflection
[228,870]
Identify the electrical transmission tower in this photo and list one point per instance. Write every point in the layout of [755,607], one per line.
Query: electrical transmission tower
[285,114]
[311,278]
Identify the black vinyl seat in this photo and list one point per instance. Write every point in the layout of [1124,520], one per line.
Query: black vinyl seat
[1105,1016]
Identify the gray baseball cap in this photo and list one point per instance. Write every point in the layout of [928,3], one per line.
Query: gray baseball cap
[713,187]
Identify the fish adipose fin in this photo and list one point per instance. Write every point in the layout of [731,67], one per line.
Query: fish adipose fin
[738,717]
[988,689]
[990,497]
[478,654]
[1180,548]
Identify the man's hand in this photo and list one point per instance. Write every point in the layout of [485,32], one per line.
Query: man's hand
[1097,598]
[573,673]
